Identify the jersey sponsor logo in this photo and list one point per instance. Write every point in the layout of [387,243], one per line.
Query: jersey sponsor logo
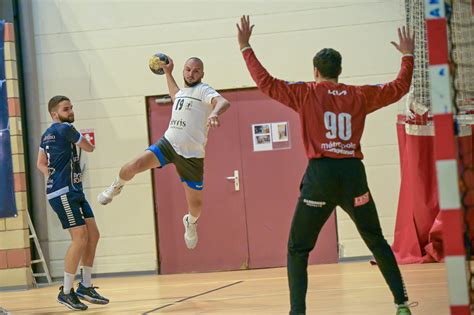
[314,204]
[337,93]
[49,137]
[339,147]
[361,200]
[177,123]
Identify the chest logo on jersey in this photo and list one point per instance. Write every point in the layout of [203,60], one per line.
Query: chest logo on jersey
[182,104]
[177,123]
[49,137]
[337,93]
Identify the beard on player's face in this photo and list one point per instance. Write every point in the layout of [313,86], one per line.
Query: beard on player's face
[66,118]
[191,83]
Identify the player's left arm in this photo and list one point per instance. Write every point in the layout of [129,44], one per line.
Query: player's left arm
[42,162]
[74,136]
[85,145]
[220,105]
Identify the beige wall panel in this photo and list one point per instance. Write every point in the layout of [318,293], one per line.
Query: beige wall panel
[113,264]
[17,144]
[12,88]
[20,222]
[45,17]
[79,16]
[18,161]
[14,239]
[218,24]
[15,126]
[109,246]
[16,277]
[10,51]
[11,70]
[64,74]
[21,200]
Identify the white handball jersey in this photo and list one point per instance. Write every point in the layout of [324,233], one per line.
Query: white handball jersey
[187,130]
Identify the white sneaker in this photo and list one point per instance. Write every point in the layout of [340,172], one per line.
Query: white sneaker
[107,195]
[190,233]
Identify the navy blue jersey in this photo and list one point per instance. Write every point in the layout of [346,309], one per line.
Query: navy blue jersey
[59,143]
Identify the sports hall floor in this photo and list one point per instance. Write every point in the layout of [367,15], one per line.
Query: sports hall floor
[342,289]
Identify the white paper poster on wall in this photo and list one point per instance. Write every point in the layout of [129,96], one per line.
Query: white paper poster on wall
[262,139]
[270,136]
[280,131]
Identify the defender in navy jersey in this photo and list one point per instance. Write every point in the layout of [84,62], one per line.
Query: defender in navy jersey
[59,162]
[196,107]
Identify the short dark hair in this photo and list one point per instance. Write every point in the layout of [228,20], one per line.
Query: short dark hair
[55,100]
[328,62]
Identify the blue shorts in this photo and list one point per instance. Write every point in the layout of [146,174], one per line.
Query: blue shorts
[190,170]
[72,209]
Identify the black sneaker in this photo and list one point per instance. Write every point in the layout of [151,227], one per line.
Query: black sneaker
[90,295]
[70,300]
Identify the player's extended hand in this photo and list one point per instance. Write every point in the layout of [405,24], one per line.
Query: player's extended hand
[213,121]
[244,31]
[168,68]
[407,41]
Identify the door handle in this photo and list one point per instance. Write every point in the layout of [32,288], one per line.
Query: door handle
[236,180]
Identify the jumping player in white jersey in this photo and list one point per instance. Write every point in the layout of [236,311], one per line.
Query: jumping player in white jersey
[196,107]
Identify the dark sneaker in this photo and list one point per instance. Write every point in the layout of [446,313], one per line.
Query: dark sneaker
[90,295]
[70,300]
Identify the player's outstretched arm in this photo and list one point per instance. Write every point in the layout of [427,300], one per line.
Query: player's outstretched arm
[291,95]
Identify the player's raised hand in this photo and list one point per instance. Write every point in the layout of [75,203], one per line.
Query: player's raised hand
[406,39]
[168,68]
[244,31]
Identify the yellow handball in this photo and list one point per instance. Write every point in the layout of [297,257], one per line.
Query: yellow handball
[156,63]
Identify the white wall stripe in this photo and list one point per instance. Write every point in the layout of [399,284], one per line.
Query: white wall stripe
[447,174]
[456,268]
[440,82]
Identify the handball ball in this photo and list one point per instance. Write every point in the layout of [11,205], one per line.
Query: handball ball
[156,63]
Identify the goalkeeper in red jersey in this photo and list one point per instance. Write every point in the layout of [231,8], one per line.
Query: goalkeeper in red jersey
[332,116]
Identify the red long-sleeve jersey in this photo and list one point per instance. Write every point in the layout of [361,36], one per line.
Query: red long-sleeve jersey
[332,115]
